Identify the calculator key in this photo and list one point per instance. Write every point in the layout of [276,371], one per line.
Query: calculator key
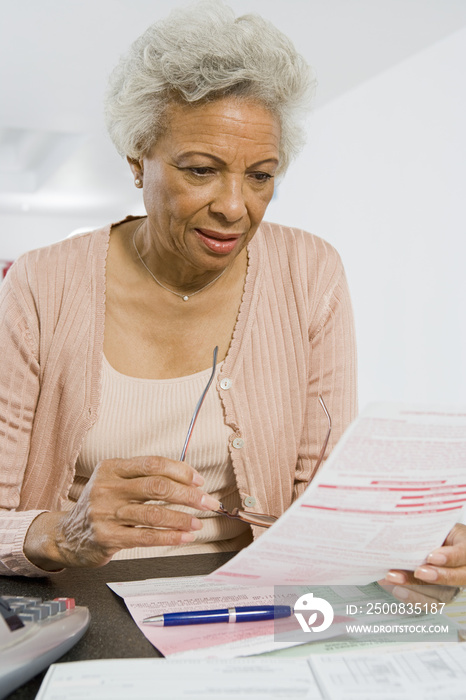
[17,607]
[44,610]
[12,620]
[53,606]
[29,600]
[4,605]
[10,599]
[69,602]
[37,609]
[30,616]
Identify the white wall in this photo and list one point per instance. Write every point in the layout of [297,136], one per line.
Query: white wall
[383,178]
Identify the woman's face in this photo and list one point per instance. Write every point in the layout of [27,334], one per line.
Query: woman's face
[208,180]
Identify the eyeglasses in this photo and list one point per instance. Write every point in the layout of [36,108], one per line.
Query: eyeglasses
[198,406]
[259,519]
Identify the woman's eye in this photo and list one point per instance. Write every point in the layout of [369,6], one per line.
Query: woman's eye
[262,177]
[201,170]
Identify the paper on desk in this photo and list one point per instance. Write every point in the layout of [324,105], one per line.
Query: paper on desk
[438,673]
[221,641]
[146,679]
[214,641]
[158,586]
[388,494]
[433,674]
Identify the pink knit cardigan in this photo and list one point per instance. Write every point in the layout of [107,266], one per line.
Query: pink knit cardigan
[293,340]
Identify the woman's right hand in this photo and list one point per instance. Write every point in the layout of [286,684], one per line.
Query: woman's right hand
[113,513]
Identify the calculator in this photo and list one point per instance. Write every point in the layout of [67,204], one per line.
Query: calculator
[34,633]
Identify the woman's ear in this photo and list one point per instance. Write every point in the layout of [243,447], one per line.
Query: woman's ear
[137,170]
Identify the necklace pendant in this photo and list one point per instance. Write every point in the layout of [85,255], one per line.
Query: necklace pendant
[185,297]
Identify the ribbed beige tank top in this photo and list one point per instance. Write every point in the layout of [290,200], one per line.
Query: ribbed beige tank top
[151,417]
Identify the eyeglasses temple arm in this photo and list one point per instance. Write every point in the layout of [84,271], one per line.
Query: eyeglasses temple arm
[198,406]
[324,446]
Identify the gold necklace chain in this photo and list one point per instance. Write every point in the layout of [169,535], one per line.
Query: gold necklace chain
[185,297]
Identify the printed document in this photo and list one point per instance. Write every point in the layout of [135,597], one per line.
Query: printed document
[432,674]
[214,641]
[389,494]
[224,640]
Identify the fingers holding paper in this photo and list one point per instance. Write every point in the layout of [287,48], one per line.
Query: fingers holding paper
[115,512]
[444,567]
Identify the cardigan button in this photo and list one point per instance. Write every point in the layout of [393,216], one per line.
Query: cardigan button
[249,501]
[238,443]
[225,383]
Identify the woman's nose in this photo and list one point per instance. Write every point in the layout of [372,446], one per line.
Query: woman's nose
[229,200]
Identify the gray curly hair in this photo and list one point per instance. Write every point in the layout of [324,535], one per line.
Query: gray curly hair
[203,53]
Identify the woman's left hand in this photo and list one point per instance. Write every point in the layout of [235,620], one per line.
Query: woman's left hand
[445,566]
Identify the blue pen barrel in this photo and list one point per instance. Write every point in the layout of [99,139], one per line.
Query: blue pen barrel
[250,613]
[196,617]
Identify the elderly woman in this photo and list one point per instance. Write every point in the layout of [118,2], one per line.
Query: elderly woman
[107,338]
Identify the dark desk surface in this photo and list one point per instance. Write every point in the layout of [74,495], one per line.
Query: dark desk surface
[112,632]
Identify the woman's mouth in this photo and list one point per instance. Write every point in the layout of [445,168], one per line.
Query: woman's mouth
[217,242]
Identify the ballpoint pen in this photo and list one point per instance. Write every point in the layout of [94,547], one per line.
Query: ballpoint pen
[249,613]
